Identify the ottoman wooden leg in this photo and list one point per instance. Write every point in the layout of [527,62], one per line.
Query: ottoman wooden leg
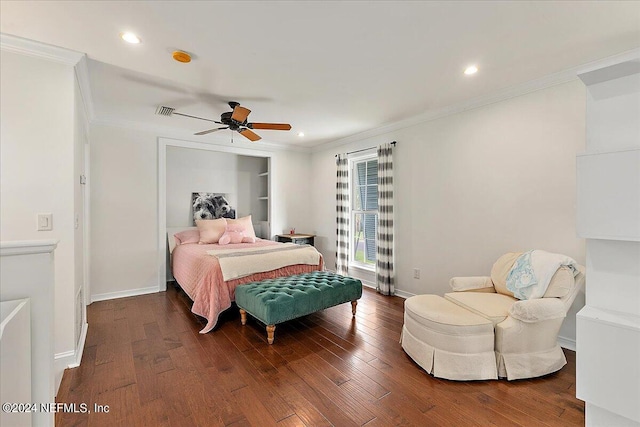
[270,330]
[243,316]
[353,307]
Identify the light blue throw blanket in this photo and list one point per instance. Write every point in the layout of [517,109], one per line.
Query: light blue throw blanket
[532,272]
[522,277]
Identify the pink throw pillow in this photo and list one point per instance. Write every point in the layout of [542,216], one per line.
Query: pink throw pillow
[211,230]
[187,236]
[235,234]
[245,223]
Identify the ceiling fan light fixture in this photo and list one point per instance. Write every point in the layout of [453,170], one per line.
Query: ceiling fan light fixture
[130,37]
[301,134]
[181,56]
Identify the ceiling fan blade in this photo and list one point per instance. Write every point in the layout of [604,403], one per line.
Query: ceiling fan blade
[271,126]
[240,114]
[204,132]
[250,135]
[194,117]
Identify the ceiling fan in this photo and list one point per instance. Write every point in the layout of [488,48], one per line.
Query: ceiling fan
[235,120]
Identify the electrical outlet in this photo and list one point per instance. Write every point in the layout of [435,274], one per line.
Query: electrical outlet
[416,273]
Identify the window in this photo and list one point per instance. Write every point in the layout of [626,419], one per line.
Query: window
[364,212]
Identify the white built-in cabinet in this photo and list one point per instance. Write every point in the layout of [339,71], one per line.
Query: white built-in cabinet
[263,213]
[254,194]
[608,216]
[264,186]
[608,188]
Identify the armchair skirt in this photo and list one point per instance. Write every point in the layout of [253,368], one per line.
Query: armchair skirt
[447,340]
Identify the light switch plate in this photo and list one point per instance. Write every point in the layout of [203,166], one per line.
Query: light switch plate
[45,222]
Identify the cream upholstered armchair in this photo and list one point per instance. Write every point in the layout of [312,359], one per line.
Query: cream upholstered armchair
[504,325]
[526,331]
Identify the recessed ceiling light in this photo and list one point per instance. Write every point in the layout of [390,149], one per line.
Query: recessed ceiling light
[472,69]
[300,133]
[130,38]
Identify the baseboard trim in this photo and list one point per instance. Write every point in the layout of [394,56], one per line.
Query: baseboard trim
[64,355]
[60,362]
[368,284]
[403,294]
[568,343]
[80,347]
[69,359]
[124,294]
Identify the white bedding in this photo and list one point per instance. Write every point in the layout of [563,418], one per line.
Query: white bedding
[236,263]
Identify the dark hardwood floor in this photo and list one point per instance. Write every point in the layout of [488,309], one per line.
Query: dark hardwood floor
[144,358]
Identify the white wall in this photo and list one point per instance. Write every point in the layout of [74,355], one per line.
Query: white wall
[191,170]
[291,192]
[124,211]
[474,185]
[124,207]
[38,170]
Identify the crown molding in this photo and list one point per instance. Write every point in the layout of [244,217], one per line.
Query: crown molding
[630,55]
[11,43]
[49,52]
[545,82]
[478,102]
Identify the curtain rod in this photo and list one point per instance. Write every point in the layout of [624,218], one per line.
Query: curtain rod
[365,149]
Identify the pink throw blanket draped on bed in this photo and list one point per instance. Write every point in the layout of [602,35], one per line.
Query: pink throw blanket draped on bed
[200,276]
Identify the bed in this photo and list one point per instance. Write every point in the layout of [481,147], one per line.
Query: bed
[197,270]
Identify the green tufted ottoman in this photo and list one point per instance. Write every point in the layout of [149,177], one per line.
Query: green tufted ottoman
[277,300]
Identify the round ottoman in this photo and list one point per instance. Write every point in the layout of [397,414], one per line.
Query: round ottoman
[447,340]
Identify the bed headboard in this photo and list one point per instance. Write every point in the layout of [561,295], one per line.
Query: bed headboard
[173,230]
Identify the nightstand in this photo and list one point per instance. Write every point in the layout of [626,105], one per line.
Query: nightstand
[298,239]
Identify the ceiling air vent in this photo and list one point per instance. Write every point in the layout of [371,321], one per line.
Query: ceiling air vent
[164,111]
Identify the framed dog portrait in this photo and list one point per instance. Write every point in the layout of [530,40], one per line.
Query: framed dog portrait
[210,206]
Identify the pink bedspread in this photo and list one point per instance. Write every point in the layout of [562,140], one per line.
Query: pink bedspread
[200,277]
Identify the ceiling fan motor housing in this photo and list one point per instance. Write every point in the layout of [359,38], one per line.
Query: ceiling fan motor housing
[226,119]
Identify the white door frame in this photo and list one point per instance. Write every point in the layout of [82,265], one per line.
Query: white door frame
[85,230]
